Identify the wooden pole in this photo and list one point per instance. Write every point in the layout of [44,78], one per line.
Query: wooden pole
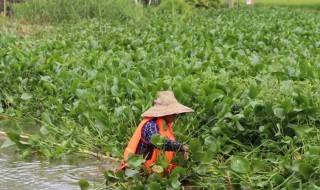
[5,7]
[100,156]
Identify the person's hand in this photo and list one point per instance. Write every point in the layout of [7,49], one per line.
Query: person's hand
[184,152]
[184,148]
[185,155]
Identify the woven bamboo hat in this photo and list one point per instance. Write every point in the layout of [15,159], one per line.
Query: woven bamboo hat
[166,104]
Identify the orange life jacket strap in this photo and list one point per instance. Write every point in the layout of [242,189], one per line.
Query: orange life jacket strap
[135,139]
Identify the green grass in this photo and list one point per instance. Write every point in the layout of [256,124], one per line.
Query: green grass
[44,11]
[287,3]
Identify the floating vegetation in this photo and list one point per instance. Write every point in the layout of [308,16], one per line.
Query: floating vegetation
[252,75]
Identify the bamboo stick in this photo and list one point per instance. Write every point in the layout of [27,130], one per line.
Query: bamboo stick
[100,156]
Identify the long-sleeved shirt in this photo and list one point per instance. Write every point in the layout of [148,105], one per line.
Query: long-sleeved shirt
[151,128]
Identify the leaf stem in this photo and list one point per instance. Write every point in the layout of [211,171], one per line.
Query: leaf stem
[285,181]
[256,148]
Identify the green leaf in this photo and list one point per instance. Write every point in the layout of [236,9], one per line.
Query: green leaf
[45,117]
[259,110]
[194,145]
[84,184]
[278,179]
[110,176]
[257,165]
[82,93]
[135,161]
[279,112]
[44,130]
[130,172]
[216,130]
[239,126]
[86,130]
[211,143]
[185,86]
[203,168]
[295,165]
[306,170]
[114,90]
[253,92]
[138,187]
[216,96]
[120,188]
[7,143]
[175,183]
[27,153]
[255,103]
[178,170]
[300,131]
[14,137]
[157,140]
[293,184]
[46,78]
[157,169]
[258,107]
[314,150]
[222,109]
[154,186]
[240,164]
[316,185]
[26,96]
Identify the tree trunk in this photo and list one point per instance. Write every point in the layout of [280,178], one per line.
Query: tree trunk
[11,8]
[230,3]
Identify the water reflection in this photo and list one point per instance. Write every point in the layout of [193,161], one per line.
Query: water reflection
[40,174]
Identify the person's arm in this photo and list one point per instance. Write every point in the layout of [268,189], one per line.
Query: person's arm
[151,128]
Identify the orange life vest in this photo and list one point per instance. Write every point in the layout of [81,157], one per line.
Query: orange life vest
[135,139]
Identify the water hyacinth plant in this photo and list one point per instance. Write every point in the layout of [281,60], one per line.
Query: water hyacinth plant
[252,75]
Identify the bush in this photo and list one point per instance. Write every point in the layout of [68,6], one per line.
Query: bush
[175,7]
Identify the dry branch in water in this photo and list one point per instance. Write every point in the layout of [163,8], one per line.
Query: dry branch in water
[100,156]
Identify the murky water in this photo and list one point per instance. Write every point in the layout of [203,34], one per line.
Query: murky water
[39,174]
[17,173]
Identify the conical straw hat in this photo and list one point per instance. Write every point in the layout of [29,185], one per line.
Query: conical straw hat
[166,104]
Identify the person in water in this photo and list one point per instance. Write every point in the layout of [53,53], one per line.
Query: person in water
[165,109]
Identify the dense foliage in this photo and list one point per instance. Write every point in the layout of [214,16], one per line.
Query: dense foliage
[252,75]
[47,11]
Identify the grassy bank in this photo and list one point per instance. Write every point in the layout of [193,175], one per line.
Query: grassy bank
[287,2]
[313,4]
[46,11]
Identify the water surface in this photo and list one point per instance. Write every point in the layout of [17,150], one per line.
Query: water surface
[36,173]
